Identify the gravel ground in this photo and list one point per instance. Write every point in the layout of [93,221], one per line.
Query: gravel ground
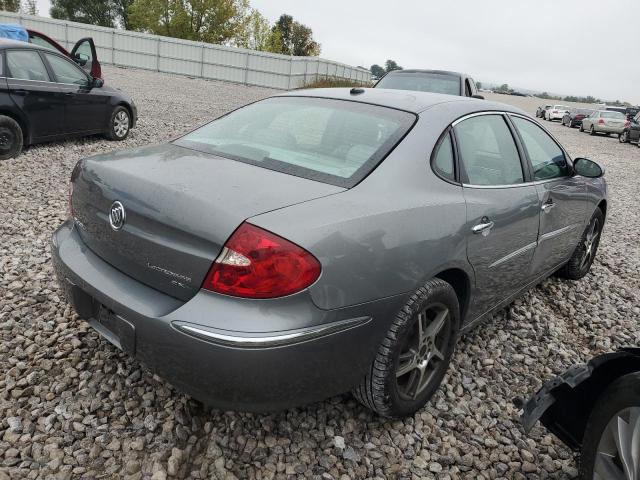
[72,406]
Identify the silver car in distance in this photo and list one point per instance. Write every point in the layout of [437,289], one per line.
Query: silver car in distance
[324,241]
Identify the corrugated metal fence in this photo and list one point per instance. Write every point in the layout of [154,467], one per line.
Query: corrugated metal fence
[195,59]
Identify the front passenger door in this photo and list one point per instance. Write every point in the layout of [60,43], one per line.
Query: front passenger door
[502,209]
[86,106]
[562,196]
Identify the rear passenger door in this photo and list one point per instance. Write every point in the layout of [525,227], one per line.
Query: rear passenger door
[502,208]
[32,90]
[562,196]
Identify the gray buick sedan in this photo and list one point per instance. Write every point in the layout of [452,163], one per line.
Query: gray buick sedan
[323,241]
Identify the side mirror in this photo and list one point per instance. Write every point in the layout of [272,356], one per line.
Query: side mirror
[587,168]
[97,82]
[481,97]
[81,59]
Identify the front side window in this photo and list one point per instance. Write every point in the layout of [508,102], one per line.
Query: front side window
[332,141]
[65,71]
[488,151]
[547,158]
[422,82]
[26,65]
[443,161]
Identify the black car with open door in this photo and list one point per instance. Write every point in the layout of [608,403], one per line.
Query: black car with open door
[45,96]
[631,132]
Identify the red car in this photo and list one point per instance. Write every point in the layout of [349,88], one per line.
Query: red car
[83,52]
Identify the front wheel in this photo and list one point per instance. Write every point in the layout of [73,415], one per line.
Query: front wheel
[10,138]
[119,124]
[585,253]
[414,355]
[610,442]
[581,128]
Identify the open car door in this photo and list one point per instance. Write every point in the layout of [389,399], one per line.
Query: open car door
[84,54]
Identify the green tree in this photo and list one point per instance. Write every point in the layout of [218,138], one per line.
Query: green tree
[302,42]
[478,85]
[29,7]
[214,21]
[377,71]
[94,12]
[121,10]
[255,32]
[391,65]
[296,38]
[10,5]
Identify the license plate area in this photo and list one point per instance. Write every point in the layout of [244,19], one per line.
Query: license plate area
[115,329]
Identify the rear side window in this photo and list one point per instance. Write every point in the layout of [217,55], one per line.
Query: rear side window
[332,141]
[443,160]
[422,82]
[488,152]
[547,158]
[26,65]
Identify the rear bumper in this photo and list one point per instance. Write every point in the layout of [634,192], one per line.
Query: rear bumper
[228,353]
[608,129]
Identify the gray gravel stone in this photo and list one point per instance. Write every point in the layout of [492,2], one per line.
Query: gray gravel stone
[75,407]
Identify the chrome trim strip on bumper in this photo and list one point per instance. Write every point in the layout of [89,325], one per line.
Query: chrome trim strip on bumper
[266,341]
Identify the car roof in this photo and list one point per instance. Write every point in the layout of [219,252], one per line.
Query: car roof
[407,100]
[8,43]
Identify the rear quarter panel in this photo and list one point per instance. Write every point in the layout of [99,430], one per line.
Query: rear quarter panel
[389,234]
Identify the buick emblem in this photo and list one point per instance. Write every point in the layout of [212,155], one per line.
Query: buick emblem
[117,216]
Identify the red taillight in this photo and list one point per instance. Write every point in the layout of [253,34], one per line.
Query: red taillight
[255,263]
[627,124]
[601,121]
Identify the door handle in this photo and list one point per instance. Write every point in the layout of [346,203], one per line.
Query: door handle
[20,91]
[547,206]
[484,227]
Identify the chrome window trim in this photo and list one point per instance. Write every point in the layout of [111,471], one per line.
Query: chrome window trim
[43,81]
[477,114]
[267,341]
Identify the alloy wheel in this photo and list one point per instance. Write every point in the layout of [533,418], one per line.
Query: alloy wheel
[623,137]
[618,454]
[121,124]
[590,243]
[423,352]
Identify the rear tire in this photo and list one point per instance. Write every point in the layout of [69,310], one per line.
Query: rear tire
[592,131]
[415,353]
[617,407]
[583,256]
[119,124]
[11,139]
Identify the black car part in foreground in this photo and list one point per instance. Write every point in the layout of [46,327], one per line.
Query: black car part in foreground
[594,409]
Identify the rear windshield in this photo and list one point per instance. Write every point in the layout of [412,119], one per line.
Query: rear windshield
[422,82]
[331,141]
[584,111]
[616,115]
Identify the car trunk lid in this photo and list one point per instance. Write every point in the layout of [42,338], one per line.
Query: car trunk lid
[180,206]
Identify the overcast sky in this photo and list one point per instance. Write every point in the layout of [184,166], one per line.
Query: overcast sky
[579,47]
